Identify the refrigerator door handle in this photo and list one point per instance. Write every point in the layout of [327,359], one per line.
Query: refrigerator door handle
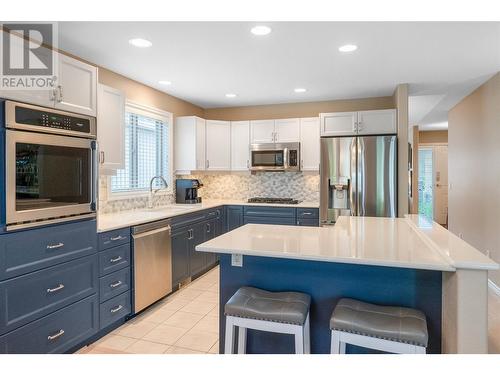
[361,178]
[353,183]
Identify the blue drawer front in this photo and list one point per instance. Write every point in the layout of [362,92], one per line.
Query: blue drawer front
[114,309]
[114,259]
[269,220]
[28,251]
[32,296]
[188,219]
[114,284]
[57,332]
[269,211]
[114,238]
[307,213]
[308,222]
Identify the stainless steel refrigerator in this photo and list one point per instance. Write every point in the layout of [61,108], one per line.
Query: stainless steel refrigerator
[358,177]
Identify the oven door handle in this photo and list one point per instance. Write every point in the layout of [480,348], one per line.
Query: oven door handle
[95,179]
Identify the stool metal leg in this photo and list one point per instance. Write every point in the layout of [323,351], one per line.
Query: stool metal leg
[229,339]
[299,340]
[335,345]
[242,340]
[307,336]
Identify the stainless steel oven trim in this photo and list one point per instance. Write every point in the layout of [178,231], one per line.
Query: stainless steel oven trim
[16,217]
[285,147]
[10,121]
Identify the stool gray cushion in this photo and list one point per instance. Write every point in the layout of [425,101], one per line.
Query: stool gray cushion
[281,307]
[386,322]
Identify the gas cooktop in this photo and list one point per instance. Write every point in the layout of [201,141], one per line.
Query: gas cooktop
[274,200]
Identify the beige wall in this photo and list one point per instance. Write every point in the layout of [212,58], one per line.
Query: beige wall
[400,100]
[436,136]
[146,95]
[474,175]
[310,109]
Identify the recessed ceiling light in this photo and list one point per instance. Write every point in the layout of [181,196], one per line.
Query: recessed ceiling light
[166,83]
[299,89]
[141,43]
[260,30]
[348,48]
[230,95]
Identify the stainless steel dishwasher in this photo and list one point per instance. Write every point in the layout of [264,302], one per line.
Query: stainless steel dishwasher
[152,263]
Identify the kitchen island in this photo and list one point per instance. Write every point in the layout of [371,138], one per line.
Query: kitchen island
[407,262]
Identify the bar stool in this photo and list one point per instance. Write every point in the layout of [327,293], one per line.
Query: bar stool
[282,312]
[387,328]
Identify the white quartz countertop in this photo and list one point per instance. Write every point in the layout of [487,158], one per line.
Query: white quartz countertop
[356,240]
[124,219]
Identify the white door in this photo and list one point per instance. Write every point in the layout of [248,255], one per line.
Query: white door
[262,131]
[218,145]
[338,123]
[201,156]
[111,127]
[77,84]
[441,184]
[309,144]
[287,130]
[240,145]
[377,122]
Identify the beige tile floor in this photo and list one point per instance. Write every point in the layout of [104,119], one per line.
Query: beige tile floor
[187,322]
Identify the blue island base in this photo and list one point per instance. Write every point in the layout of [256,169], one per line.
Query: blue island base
[326,283]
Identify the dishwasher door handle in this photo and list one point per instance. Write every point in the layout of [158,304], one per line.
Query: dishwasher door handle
[155,231]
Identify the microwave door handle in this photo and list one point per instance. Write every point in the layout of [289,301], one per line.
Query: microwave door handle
[286,158]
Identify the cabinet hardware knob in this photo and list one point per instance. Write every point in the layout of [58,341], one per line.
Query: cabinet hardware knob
[116,309]
[52,290]
[114,260]
[115,284]
[57,335]
[60,244]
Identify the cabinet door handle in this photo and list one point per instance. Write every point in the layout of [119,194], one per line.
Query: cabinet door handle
[117,238]
[116,309]
[191,235]
[208,163]
[52,290]
[302,164]
[248,163]
[115,284]
[55,336]
[59,245]
[102,157]
[360,126]
[114,260]
[306,213]
[53,95]
[355,126]
[60,93]
[208,227]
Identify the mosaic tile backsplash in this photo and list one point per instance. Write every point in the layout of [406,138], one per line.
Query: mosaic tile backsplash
[301,186]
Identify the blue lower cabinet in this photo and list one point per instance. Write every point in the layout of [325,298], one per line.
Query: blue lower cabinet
[234,217]
[114,284]
[269,220]
[114,309]
[114,259]
[308,213]
[114,238]
[308,222]
[180,255]
[197,259]
[32,296]
[57,332]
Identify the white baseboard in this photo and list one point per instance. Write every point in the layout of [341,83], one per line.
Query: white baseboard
[494,287]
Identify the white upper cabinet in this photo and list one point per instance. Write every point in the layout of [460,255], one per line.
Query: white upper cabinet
[338,123]
[287,130]
[218,136]
[240,145]
[111,127]
[189,144]
[76,86]
[262,131]
[309,144]
[377,122]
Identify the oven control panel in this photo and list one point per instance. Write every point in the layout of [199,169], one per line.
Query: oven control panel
[36,117]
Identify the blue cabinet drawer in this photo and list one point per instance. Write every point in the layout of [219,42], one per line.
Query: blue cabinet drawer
[28,251]
[269,211]
[188,219]
[307,213]
[269,220]
[114,284]
[308,222]
[114,309]
[32,296]
[57,332]
[114,259]
[114,238]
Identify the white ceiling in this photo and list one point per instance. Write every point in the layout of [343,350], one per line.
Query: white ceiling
[206,60]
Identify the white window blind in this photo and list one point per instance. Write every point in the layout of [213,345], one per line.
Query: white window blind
[147,152]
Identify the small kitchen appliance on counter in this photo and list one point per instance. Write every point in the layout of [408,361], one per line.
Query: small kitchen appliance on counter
[186,191]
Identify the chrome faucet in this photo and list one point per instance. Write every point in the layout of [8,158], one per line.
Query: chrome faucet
[153,192]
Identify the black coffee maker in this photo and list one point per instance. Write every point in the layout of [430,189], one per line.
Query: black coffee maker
[186,190]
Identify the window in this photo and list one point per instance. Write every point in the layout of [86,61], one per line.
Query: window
[148,140]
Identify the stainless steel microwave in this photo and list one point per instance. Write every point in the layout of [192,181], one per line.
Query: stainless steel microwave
[50,165]
[275,157]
